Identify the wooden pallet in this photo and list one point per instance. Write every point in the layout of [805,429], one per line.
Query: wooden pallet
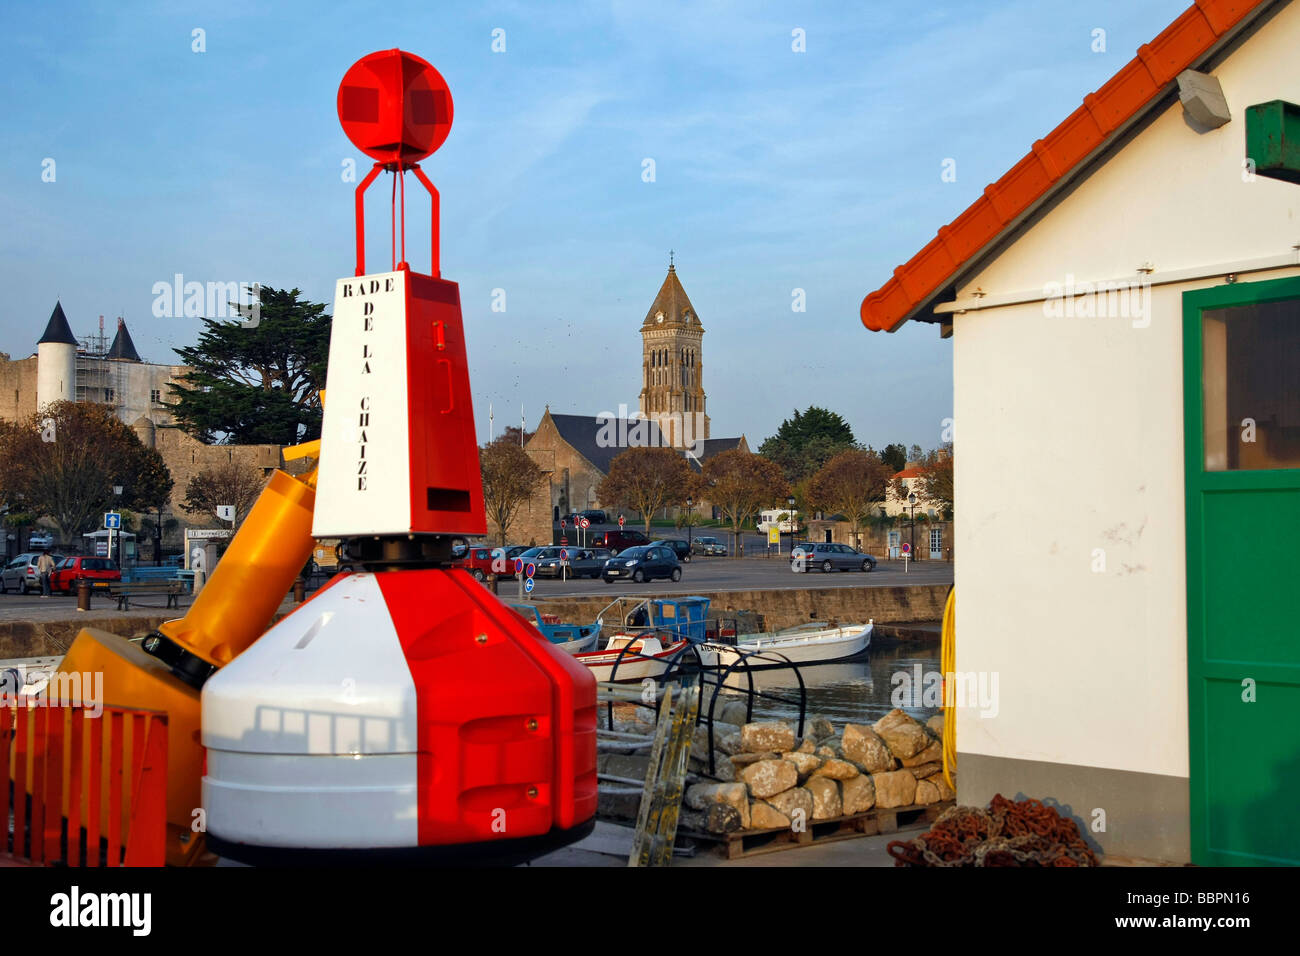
[743,843]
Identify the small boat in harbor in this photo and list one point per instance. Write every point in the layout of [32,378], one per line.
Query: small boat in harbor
[805,644]
[571,638]
[631,658]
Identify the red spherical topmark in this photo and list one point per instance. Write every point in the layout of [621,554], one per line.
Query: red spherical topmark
[395,107]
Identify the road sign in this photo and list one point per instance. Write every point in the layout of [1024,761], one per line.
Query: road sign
[907,548]
[620,521]
[529,585]
[112,520]
[519,565]
[773,535]
[226,512]
[562,524]
[584,523]
[531,570]
[564,554]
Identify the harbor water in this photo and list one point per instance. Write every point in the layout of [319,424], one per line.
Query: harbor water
[859,691]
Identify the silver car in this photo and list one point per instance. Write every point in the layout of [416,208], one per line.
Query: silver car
[20,574]
[828,556]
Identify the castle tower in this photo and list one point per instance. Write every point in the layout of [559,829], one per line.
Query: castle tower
[56,361]
[123,349]
[672,389]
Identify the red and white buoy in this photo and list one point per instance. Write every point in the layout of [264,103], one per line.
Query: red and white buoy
[403,709]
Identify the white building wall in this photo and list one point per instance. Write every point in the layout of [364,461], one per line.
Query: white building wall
[1087,415]
[56,373]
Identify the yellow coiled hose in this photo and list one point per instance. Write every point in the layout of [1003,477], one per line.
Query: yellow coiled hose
[948,666]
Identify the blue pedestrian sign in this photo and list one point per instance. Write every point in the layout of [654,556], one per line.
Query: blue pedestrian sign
[528,585]
[112,520]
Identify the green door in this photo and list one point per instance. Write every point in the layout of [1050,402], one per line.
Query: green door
[1241,356]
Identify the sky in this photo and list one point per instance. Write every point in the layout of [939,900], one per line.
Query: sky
[135,149]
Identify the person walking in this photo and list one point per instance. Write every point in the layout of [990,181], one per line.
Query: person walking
[45,567]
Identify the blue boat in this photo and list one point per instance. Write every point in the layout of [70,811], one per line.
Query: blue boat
[572,638]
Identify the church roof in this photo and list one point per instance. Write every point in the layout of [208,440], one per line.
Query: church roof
[57,330]
[673,303]
[123,348]
[588,436]
[584,433]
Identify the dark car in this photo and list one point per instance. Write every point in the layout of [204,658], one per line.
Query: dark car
[679,546]
[643,563]
[617,541]
[583,563]
[828,556]
[595,516]
[708,545]
[70,570]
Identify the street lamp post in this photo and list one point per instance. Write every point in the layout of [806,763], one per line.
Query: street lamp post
[117,493]
[690,522]
[789,501]
[157,539]
[911,500]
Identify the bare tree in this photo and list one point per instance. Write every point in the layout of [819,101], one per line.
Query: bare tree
[65,461]
[510,477]
[739,484]
[850,484]
[647,479]
[229,484]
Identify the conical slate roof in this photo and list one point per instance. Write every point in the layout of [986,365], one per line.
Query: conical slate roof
[123,348]
[672,303]
[57,330]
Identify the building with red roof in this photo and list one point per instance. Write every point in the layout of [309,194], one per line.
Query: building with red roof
[1124,311]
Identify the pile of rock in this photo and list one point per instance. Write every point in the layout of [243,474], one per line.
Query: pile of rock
[763,776]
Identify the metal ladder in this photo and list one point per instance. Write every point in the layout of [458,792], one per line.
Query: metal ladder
[661,800]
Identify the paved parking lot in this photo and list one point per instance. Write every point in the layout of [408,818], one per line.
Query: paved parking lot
[700,574]
[743,574]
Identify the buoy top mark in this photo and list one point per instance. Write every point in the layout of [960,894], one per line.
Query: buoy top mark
[395,107]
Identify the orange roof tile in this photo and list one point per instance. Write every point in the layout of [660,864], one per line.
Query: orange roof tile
[1055,158]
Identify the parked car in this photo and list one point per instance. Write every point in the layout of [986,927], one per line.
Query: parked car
[478,562]
[514,550]
[595,516]
[679,546]
[829,556]
[72,569]
[617,541]
[20,573]
[39,540]
[643,563]
[583,563]
[536,556]
[708,545]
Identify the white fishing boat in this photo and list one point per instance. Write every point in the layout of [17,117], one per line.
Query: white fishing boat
[806,644]
[641,657]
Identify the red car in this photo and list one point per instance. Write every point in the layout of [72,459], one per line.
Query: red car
[65,576]
[478,561]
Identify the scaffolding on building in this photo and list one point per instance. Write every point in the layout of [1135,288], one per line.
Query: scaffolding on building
[98,378]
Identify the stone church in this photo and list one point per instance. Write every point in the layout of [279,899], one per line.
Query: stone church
[575,451]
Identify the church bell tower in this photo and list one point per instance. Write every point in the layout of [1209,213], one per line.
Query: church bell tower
[672,389]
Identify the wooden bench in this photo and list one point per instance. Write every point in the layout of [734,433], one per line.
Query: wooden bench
[125,592]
